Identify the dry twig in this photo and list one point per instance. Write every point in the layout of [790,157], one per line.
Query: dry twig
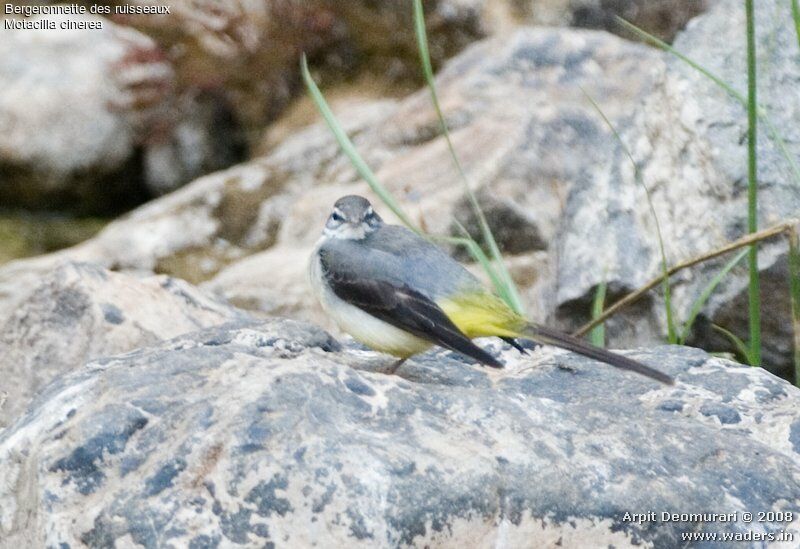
[787,227]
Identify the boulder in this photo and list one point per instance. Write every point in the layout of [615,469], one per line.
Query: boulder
[269,282]
[198,230]
[517,123]
[688,139]
[99,121]
[662,18]
[80,312]
[268,433]
[722,122]
[87,118]
[247,53]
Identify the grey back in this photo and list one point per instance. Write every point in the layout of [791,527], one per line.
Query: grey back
[399,256]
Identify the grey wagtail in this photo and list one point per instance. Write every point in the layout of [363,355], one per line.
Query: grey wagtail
[396,292]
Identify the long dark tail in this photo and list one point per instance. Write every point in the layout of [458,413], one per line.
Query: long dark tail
[547,335]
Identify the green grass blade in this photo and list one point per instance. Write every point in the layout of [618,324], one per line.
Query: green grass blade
[773,132]
[598,334]
[740,345]
[754,294]
[349,149]
[643,34]
[421,35]
[507,289]
[794,288]
[701,300]
[778,139]
[671,332]
[478,255]
[796,17]
[483,259]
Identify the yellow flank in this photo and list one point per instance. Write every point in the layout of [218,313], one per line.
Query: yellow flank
[482,314]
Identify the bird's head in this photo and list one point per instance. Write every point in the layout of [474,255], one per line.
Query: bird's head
[352,218]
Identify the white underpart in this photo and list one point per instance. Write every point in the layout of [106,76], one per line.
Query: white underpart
[346,231]
[364,327]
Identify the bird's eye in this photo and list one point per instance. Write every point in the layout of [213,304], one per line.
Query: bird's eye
[336,217]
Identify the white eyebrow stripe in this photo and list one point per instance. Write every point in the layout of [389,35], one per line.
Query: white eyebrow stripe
[338,212]
[369,211]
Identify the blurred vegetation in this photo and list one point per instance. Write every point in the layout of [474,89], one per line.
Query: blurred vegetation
[25,234]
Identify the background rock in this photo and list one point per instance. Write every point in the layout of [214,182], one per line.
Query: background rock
[248,52]
[724,123]
[196,231]
[84,116]
[662,18]
[688,139]
[81,312]
[157,100]
[517,124]
[262,433]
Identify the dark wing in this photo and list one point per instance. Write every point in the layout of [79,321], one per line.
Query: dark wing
[404,308]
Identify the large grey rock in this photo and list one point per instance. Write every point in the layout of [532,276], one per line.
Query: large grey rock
[688,138]
[662,18]
[196,231]
[517,122]
[87,118]
[723,123]
[80,312]
[266,433]
[246,54]
[60,136]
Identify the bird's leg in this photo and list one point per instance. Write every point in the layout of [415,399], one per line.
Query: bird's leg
[393,368]
[516,344]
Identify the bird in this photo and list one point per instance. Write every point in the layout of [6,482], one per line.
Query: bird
[398,293]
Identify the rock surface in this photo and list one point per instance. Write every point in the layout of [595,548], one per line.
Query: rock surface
[266,433]
[688,139]
[100,121]
[80,312]
[517,123]
[723,123]
[662,18]
[247,53]
[85,116]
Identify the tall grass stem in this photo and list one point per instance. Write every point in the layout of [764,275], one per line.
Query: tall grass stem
[598,333]
[794,288]
[349,149]
[754,294]
[509,291]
